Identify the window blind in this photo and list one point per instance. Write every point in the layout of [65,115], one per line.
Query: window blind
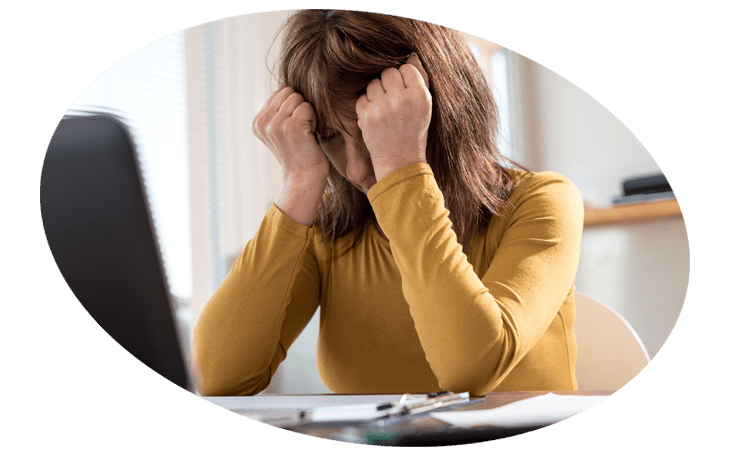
[147,89]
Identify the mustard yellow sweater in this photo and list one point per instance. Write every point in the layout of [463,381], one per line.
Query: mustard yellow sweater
[411,313]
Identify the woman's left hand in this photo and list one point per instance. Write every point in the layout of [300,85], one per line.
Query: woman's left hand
[394,116]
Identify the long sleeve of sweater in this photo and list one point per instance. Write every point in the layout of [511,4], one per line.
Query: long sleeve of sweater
[475,329]
[250,322]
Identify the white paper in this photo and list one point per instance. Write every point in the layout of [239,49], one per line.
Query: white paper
[300,402]
[540,410]
[286,409]
[360,412]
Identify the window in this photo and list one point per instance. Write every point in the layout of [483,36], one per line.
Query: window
[147,89]
[494,60]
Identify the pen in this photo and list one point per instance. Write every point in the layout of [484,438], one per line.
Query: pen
[431,401]
[406,405]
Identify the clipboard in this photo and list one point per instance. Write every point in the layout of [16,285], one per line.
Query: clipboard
[406,405]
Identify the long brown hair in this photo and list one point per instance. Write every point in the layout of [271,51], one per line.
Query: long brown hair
[330,56]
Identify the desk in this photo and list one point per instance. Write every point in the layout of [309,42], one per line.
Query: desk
[410,431]
[640,211]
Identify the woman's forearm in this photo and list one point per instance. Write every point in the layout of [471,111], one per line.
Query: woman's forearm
[236,343]
[474,329]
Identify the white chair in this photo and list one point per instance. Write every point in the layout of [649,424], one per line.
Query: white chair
[610,352]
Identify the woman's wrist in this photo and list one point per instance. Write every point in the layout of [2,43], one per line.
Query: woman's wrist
[383,169]
[300,196]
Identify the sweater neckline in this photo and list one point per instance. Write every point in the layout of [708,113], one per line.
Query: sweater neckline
[374,233]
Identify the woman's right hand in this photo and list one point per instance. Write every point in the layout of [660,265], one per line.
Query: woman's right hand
[286,125]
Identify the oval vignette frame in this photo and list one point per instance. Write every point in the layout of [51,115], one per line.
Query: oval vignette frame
[252,13]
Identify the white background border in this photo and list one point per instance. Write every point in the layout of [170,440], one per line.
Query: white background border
[67,385]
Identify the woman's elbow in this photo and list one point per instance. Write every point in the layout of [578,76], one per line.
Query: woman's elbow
[201,385]
[478,374]
[210,381]
[476,384]
[207,382]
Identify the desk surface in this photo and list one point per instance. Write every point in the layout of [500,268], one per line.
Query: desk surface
[640,211]
[417,430]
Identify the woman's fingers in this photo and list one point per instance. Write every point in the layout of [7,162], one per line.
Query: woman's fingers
[412,77]
[409,75]
[304,114]
[289,104]
[375,89]
[392,80]
[278,109]
[279,98]
[269,109]
[273,95]
[416,63]
[360,106]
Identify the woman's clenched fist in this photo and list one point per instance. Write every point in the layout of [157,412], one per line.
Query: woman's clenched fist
[394,116]
[286,124]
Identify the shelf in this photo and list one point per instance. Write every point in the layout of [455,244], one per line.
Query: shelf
[641,211]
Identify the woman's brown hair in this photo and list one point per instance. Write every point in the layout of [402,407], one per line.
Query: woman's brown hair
[330,56]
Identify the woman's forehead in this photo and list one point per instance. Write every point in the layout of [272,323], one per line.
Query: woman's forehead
[339,116]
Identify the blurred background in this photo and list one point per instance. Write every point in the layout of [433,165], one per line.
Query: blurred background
[189,100]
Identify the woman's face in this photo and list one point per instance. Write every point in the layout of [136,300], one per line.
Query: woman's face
[346,150]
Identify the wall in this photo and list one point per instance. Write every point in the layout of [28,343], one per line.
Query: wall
[639,269]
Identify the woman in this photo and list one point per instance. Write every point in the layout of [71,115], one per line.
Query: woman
[434,266]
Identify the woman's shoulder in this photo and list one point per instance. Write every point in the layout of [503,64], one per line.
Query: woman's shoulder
[546,190]
[547,182]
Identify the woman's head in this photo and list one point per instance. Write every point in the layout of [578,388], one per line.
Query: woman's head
[331,56]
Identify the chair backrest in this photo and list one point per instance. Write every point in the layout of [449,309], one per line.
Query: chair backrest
[610,352]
